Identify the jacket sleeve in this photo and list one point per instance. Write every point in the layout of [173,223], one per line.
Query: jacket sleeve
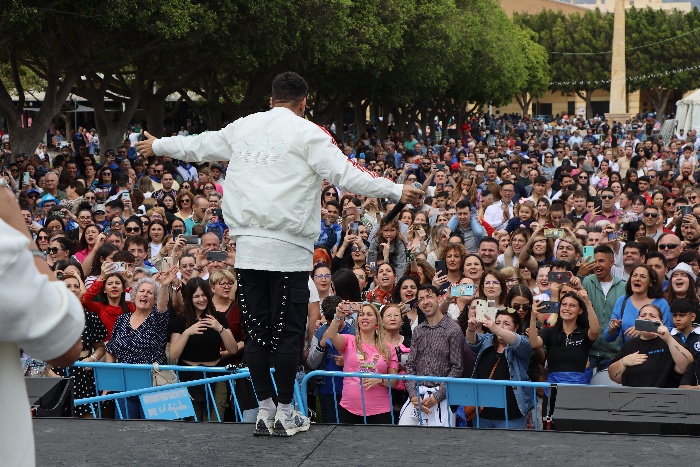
[89,297]
[399,260]
[315,357]
[41,316]
[329,162]
[210,146]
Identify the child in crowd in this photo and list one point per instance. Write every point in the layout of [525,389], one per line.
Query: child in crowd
[684,329]
[524,215]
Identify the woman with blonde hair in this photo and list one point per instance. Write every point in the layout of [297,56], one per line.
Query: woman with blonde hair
[365,352]
[439,237]
[146,186]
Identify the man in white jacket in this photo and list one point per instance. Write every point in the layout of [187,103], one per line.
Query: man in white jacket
[38,313]
[278,161]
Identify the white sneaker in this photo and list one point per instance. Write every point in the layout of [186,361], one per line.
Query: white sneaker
[264,424]
[290,426]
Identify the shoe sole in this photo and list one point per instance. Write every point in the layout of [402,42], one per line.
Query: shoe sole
[283,432]
[262,430]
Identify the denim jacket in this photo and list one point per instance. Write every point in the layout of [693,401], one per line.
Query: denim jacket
[474,225]
[518,358]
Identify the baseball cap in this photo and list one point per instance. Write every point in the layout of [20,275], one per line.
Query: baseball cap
[684,267]
[99,208]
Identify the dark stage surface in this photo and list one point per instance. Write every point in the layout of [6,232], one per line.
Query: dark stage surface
[76,443]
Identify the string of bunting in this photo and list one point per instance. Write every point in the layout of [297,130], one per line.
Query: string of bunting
[630,78]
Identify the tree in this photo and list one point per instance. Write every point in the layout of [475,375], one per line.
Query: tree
[659,52]
[537,75]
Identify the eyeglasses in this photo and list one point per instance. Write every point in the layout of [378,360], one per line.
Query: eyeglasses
[521,306]
[607,197]
[42,237]
[84,218]
[133,229]
[583,177]
[106,173]
[54,250]
[322,276]
[226,285]
[669,246]
[651,176]
[693,197]
[117,223]
[357,248]
[185,200]
[653,215]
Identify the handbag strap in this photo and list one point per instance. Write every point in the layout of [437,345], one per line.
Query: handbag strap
[493,370]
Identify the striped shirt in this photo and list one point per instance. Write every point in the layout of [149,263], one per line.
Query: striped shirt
[436,351]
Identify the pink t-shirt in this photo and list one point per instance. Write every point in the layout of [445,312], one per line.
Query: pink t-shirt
[376,398]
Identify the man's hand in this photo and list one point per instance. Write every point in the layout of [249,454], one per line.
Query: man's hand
[145,147]
[409,195]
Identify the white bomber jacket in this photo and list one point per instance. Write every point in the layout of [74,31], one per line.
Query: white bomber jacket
[277,164]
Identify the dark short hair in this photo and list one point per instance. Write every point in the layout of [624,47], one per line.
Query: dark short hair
[429,287]
[659,255]
[641,248]
[605,249]
[289,87]
[540,180]
[463,204]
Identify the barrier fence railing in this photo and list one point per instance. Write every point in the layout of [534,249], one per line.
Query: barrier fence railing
[129,380]
[459,392]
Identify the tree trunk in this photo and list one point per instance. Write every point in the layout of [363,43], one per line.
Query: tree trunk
[360,110]
[659,99]
[339,117]
[383,127]
[524,101]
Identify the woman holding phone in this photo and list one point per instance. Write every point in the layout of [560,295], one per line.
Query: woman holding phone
[105,297]
[652,359]
[365,352]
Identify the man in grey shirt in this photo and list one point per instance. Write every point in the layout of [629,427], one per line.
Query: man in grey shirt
[437,349]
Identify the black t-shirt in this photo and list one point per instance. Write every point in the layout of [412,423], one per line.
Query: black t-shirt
[691,376]
[488,359]
[656,372]
[566,353]
[200,347]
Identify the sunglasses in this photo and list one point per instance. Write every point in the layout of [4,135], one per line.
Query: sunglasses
[669,246]
[607,197]
[53,250]
[653,215]
[42,237]
[133,229]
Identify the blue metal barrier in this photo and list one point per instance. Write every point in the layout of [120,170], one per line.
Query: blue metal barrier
[460,391]
[135,379]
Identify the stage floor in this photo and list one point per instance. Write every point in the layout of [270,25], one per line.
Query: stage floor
[77,443]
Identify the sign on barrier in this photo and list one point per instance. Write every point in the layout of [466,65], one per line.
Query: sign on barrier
[167,405]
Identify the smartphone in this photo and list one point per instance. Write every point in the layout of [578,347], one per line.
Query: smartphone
[217,213]
[440,166]
[126,195]
[554,233]
[351,307]
[685,210]
[440,267]
[646,326]
[60,214]
[177,232]
[350,211]
[481,310]
[588,252]
[435,212]
[560,277]
[462,290]
[25,178]
[216,256]
[598,203]
[191,239]
[352,228]
[372,260]
[410,257]
[613,236]
[166,263]
[414,166]
[120,266]
[550,307]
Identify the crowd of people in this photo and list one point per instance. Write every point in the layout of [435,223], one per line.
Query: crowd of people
[568,235]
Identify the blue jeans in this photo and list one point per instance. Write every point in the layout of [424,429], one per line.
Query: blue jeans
[515,424]
[328,405]
[130,407]
[599,363]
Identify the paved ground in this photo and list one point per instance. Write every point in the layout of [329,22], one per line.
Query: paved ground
[77,443]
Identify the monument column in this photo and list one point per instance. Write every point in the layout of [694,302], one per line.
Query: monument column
[618,70]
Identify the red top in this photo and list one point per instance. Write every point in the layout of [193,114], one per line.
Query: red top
[107,313]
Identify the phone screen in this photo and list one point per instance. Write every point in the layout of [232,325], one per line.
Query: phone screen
[441,267]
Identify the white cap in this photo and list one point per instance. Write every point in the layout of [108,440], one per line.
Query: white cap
[685,267]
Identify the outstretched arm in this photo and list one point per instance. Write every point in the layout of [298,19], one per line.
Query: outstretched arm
[210,146]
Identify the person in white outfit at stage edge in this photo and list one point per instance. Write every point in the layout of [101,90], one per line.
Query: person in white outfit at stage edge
[38,314]
[278,161]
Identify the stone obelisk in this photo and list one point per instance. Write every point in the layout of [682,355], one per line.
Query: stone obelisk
[618,71]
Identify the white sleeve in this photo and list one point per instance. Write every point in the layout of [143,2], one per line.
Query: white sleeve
[329,162]
[210,146]
[313,292]
[494,217]
[43,317]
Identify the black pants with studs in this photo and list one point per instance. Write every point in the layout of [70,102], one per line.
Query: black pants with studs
[274,310]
